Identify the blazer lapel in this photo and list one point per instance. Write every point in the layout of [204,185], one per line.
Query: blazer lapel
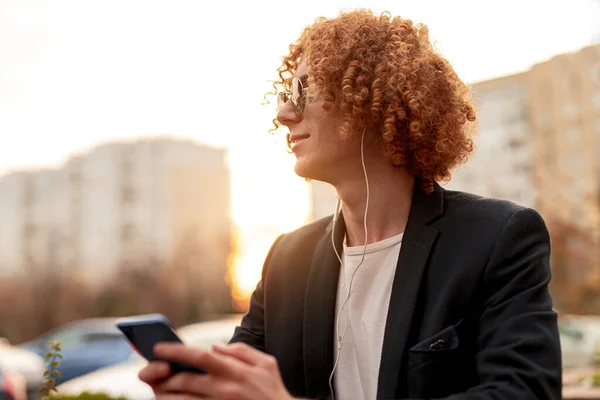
[417,242]
[319,312]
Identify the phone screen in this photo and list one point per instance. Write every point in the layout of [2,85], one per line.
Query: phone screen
[144,335]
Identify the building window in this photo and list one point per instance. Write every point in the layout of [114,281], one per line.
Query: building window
[29,230]
[29,191]
[127,194]
[595,73]
[545,89]
[578,186]
[75,178]
[596,100]
[564,81]
[574,163]
[127,164]
[571,110]
[516,142]
[126,233]
[546,119]
[525,169]
[548,148]
[573,135]
[569,82]
[575,243]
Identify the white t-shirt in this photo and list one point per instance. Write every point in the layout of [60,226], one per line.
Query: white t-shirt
[364,316]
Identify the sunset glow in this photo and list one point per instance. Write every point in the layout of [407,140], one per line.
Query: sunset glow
[175,68]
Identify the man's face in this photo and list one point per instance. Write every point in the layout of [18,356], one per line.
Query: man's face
[315,140]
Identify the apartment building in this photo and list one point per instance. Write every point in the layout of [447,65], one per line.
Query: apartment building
[152,202]
[502,163]
[565,116]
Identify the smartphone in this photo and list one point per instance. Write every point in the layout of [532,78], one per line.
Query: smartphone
[144,331]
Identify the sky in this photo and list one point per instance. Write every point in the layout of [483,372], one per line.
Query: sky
[74,74]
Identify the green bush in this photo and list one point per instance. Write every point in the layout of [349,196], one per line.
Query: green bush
[590,380]
[596,380]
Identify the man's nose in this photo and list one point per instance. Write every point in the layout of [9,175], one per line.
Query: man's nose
[287,115]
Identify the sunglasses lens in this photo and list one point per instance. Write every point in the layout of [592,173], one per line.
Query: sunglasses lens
[282,99]
[297,91]
[296,95]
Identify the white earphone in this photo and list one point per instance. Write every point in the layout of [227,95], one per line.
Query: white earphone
[340,338]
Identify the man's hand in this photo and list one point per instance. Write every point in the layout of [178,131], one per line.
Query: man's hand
[236,371]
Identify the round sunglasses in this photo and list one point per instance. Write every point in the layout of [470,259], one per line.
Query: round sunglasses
[297,96]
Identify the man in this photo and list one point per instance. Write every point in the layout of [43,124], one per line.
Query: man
[411,291]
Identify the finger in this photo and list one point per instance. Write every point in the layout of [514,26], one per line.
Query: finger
[241,351]
[169,347]
[213,363]
[186,382]
[154,372]
[205,386]
[249,355]
[180,396]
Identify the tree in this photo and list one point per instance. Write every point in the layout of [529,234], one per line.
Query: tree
[575,284]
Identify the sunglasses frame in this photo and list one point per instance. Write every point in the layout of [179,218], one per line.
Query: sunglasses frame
[297,96]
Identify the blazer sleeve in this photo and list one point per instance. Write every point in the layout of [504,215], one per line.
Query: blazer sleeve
[252,328]
[519,354]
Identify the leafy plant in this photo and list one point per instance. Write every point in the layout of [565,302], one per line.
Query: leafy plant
[51,371]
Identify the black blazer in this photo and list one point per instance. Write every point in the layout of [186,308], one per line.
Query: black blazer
[470,315]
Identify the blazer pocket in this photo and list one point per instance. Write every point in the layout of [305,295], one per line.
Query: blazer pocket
[435,347]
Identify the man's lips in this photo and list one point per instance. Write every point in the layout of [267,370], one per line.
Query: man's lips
[295,138]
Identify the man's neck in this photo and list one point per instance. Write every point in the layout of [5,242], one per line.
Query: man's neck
[390,197]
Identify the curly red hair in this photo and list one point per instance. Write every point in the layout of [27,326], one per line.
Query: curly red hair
[391,80]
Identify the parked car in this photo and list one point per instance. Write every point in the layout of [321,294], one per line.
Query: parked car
[579,336]
[18,362]
[122,379]
[87,345]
